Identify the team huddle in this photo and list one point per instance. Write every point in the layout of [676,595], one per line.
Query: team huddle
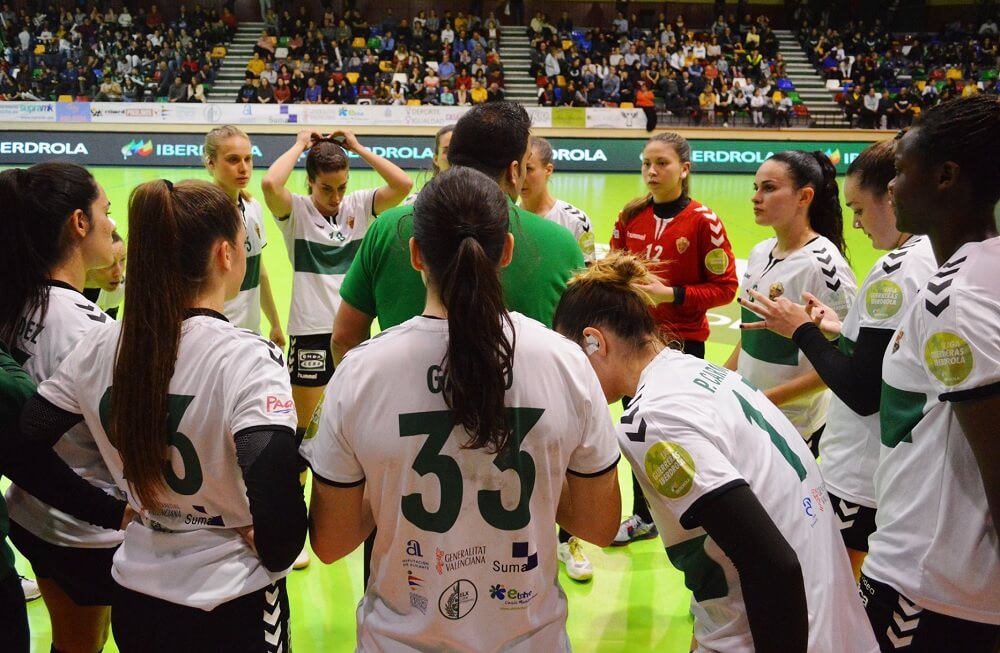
[833,488]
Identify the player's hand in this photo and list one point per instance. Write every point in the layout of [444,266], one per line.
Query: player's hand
[781,315]
[658,291]
[822,315]
[277,336]
[347,138]
[246,532]
[305,138]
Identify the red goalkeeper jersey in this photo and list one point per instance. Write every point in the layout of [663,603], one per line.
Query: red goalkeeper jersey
[694,257]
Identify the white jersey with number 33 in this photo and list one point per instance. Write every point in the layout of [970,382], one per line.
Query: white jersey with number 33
[464,559]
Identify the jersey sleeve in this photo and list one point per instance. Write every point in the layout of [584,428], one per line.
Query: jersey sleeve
[892,287]
[16,387]
[264,398]
[682,465]
[583,231]
[60,388]
[326,447]
[618,235]
[357,288]
[960,357]
[718,264]
[598,450]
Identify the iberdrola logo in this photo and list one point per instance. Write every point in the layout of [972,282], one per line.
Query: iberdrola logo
[834,156]
[137,147]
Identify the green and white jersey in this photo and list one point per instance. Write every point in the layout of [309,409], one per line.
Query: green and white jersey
[578,224]
[41,346]
[244,309]
[321,251]
[849,448]
[767,359]
[226,379]
[695,430]
[936,542]
[465,555]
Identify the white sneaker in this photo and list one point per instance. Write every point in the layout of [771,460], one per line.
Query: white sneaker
[571,554]
[302,560]
[633,529]
[30,589]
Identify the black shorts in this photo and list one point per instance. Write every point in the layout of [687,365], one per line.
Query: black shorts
[84,574]
[255,623]
[310,363]
[901,625]
[856,522]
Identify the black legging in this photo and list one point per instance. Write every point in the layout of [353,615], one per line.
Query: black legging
[639,505]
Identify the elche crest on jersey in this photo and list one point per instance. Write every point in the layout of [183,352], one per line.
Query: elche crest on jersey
[682,244]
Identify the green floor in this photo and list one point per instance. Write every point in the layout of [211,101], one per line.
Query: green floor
[636,601]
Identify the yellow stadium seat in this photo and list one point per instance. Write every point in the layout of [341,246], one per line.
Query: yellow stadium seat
[560,80]
[352,77]
[218,52]
[921,83]
[626,105]
[359,43]
[385,66]
[567,44]
[65,98]
[413,103]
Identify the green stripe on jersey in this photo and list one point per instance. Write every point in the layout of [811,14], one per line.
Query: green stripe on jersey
[846,346]
[324,259]
[765,345]
[702,575]
[901,411]
[252,278]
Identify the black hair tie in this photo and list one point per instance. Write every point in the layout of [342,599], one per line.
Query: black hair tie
[466,231]
[170,185]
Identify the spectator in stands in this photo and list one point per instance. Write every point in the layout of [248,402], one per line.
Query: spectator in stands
[620,24]
[724,104]
[706,103]
[313,93]
[248,92]
[446,69]
[478,94]
[757,103]
[902,108]
[282,94]
[853,103]
[646,100]
[869,115]
[546,96]
[496,94]
[265,92]
[264,47]
[462,96]
[177,91]
[131,92]
[783,110]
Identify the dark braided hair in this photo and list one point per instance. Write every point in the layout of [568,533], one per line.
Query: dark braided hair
[965,131]
[814,169]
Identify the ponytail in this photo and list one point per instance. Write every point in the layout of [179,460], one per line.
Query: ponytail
[38,203]
[172,231]
[606,296]
[814,169]
[460,222]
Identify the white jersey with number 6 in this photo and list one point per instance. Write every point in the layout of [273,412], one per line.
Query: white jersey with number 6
[936,542]
[225,380]
[694,430]
[41,346]
[464,559]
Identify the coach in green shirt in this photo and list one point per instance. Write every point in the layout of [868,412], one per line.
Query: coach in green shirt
[492,138]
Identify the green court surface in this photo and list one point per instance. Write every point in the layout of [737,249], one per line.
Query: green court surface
[636,601]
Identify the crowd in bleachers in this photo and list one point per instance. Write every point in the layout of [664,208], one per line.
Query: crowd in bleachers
[108,56]
[732,67]
[451,59]
[884,80]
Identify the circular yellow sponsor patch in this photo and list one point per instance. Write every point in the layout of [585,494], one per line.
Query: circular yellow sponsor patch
[670,468]
[316,417]
[716,261]
[948,357]
[883,299]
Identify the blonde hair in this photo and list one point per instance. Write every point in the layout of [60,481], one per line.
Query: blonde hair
[214,139]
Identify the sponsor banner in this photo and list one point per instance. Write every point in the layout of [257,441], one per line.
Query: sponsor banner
[541,117]
[35,112]
[598,118]
[147,148]
[569,117]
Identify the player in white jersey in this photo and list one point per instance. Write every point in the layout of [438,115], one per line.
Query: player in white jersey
[932,575]
[852,368]
[106,286]
[535,197]
[735,493]
[56,227]
[796,195]
[228,157]
[471,431]
[203,567]
[322,232]
[439,161]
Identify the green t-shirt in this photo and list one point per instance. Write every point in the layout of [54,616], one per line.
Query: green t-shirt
[381,282]
[15,389]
